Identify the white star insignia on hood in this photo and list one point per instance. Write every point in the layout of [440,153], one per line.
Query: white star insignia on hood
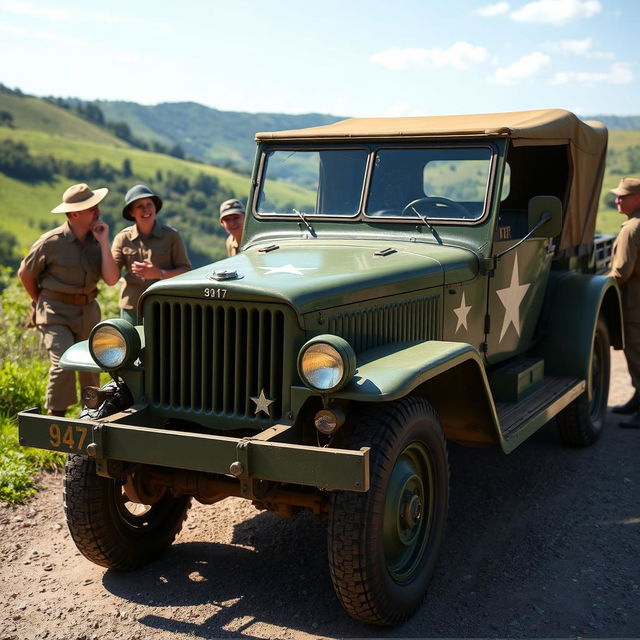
[287,268]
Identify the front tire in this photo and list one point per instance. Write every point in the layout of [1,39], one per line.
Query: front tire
[107,527]
[383,544]
[582,422]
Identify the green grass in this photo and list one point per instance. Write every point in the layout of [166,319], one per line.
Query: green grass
[23,376]
[19,466]
[36,114]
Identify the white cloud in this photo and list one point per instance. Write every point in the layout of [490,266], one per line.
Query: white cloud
[491,10]
[22,7]
[46,36]
[522,69]
[556,12]
[28,9]
[618,73]
[579,48]
[460,55]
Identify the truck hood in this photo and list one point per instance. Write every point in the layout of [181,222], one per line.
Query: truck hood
[313,275]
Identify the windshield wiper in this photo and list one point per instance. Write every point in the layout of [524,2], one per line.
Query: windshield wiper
[427,224]
[304,219]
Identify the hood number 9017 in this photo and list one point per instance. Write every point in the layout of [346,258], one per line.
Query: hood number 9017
[216,293]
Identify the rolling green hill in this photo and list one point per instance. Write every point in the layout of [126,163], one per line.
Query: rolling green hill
[74,150]
[34,114]
[204,133]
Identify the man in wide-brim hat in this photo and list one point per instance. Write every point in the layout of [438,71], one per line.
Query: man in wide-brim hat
[61,273]
[625,268]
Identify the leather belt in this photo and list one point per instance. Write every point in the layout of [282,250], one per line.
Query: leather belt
[78,299]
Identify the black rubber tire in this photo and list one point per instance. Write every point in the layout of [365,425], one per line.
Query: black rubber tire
[381,558]
[105,530]
[582,422]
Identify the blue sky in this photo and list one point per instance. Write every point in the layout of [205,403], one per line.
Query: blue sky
[350,58]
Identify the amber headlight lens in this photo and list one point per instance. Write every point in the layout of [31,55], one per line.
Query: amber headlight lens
[326,363]
[114,344]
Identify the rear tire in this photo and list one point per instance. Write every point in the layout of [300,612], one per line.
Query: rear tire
[581,423]
[383,545]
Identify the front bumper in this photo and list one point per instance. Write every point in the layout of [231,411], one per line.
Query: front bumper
[259,457]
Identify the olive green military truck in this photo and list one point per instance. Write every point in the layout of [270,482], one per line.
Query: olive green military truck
[403,283]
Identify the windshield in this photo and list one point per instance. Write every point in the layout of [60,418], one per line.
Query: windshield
[320,182]
[436,182]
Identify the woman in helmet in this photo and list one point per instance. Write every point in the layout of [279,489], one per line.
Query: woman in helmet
[148,250]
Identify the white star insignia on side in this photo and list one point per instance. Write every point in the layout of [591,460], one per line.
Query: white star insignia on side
[511,298]
[287,268]
[262,403]
[461,313]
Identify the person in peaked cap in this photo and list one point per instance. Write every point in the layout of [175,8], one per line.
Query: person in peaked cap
[61,273]
[148,250]
[625,268]
[232,219]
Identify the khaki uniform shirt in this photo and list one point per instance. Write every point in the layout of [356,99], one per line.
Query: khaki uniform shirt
[625,266]
[62,264]
[232,246]
[163,247]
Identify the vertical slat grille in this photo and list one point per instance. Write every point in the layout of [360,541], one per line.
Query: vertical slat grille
[404,321]
[212,358]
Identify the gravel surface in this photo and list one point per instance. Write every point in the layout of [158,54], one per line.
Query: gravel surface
[541,543]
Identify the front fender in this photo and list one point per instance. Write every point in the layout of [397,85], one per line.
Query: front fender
[389,372]
[78,358]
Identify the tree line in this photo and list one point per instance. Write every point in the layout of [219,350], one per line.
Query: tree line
[190,204]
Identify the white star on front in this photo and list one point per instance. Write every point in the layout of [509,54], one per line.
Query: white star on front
[511,297]
[262,403]
[462,312]
[287,268]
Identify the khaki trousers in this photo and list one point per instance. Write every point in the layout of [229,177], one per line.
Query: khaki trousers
[62,330]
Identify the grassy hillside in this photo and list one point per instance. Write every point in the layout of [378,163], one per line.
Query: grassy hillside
[205,133]
[35,114]
[75,150]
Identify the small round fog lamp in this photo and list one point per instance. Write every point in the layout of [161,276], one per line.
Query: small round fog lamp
[328,421]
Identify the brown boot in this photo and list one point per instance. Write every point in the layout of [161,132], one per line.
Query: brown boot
[632,423]
[631,406]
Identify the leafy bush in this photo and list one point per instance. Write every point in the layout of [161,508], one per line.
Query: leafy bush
[19,466]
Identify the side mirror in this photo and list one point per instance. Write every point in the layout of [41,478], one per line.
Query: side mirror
[545,212]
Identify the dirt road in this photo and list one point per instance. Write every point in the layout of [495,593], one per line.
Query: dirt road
[542,543]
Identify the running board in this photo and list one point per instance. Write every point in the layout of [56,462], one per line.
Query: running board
[518,420]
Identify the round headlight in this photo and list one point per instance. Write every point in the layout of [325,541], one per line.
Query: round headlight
[114,344]
[326,363]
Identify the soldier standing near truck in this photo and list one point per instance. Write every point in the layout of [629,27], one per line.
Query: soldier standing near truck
[625,268]
[232,220]
[148,251]
[61,273]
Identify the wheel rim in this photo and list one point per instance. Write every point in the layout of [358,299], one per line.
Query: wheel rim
[134,515]
[408,512]
[597,379]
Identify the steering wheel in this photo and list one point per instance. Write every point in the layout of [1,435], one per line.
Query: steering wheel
[451,204]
